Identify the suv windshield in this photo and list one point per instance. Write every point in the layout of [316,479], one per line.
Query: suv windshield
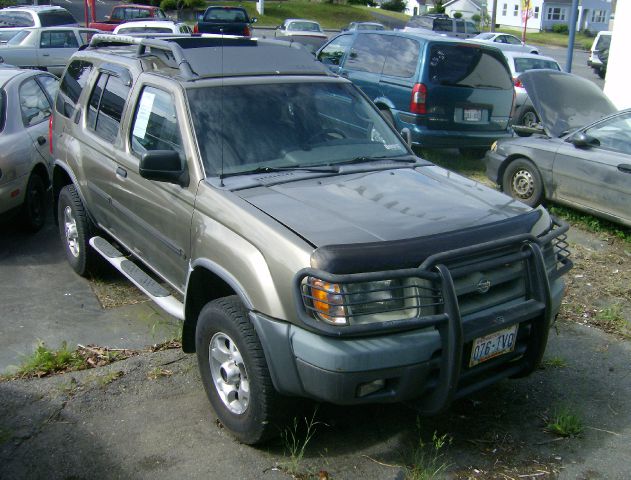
[468,66]
[287,125]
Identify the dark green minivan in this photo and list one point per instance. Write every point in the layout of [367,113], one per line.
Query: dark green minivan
[448,93]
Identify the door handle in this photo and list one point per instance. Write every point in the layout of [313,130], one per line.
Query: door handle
[41,140]
[624,168]
[45,54]
[121,172]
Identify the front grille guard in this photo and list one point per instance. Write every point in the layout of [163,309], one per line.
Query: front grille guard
[449,322]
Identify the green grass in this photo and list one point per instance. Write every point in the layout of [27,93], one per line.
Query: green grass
[427,459]
[592,223]
[551,38]
[554,362]
[565,424]
[329,15]
[295,438]
[44,361]
[612,320]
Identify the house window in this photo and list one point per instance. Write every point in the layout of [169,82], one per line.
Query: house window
[504,8]
[556,13]
[598,16]
[516,11]
[536,13]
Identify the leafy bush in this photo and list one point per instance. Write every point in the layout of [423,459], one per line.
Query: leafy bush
[560,28]
[370,3]
[476,18]
[438,7]
[394,6]
[457,15]
[168,4]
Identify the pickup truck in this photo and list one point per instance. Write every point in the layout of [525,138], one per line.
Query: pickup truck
[226,20]
[126,13]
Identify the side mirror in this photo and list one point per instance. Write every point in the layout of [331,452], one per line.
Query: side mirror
[582,140]
[407,135]
[107,18]
[163,166]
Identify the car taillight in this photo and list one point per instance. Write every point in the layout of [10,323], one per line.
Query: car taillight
[196,28]
[50,134]
[246,31]
[419,99]
[517,83]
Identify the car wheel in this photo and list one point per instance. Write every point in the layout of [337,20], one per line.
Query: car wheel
[473,153]
[34,207]
[528,118]
[75,230]
[522,181]
[234,371]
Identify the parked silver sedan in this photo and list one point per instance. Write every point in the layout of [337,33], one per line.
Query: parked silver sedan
[44,48]
[26,99]
[582,155]
[504,41]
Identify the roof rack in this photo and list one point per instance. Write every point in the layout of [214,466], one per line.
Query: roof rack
[107,40]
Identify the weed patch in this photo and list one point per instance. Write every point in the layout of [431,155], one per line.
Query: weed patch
[159,372]
[591,223]
[295,439]
[427,460]
[554,362]
[565,424]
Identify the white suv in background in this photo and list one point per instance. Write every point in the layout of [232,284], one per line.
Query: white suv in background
[15,19]
[601,42]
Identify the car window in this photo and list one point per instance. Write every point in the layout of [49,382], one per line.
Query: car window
[155,125]
[464,66]
[304,26]
[159,14]
[19,37]
[512,40]
[368,53]
[404,63]
[614,134]
[145,30]
[118,14]
[58,39]
[34,104]
[140,13]
[442,25]
[86,36]
[225,14]
[285,125]
[603,42]
[16,19]
[50,84]
[472,28]
[106,105]
[74,79]
[523,64]
[56,17]
[459,26]
[332,54]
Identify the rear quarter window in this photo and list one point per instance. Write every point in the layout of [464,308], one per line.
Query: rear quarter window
[468,66]
[404,63]
[72,84]
[58,17]
[369,53]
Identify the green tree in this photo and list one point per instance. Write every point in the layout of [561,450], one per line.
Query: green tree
[438,7]
[457,14]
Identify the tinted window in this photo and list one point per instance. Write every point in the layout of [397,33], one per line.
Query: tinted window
[159,14]
[443,25]
[368,53]
[523,64]
[145,30]
[285,125]
[472,28]
[119,14]
[95,100]
[332,54]
[512,40]
[304,26]
[59,39]
[71,86]
[422,22]
[57,17]
[226,14]
[86,36]
[16,19]
[614,134]
[459,26]
[34,105]
[404,63]
[467,66]
[155,125]
[110,109]
[603,42]
[50,84]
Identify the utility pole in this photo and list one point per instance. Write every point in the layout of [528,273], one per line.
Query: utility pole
[570,43]
[493,15]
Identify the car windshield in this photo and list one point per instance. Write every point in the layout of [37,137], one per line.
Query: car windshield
[56,17]
[304,26]
[523,64]
[485,36]
[247,128]
[225,14]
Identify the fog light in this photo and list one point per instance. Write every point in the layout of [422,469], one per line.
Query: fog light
[370,387]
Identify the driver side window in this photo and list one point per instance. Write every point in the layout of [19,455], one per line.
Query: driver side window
[614,134]
[155,124]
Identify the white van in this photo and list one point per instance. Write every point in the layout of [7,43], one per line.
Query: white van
[602,41]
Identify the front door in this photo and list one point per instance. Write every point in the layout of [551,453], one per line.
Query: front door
[55,48]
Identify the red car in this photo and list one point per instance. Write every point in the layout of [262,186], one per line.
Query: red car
[126,13]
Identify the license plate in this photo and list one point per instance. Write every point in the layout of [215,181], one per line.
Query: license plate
[472,115]
[493,345]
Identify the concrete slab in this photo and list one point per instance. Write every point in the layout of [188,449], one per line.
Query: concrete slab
[43,299]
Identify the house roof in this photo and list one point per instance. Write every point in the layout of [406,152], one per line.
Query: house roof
[477,3]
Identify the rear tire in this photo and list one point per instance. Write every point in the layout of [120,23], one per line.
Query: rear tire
[75,230]
[528,118]
[234,372]
[522,181]
[35,203]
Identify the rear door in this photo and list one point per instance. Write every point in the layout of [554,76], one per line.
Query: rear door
[598,177]
[364,63]
[469,87]
[400,72]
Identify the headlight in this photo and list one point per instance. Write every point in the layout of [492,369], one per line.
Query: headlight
[370,302]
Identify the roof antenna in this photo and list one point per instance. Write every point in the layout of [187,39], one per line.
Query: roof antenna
[221,184]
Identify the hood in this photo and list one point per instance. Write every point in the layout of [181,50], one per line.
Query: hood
[564,101]
[383,205]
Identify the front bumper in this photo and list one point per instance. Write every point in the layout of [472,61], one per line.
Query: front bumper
[430,360]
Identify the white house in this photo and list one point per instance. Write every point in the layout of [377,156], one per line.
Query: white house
[467,8]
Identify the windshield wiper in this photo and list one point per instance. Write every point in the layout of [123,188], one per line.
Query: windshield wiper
[365,159]
[268,169]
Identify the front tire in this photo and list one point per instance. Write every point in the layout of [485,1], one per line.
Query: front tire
[522,181]
[75,230]
[34,207]
[234,371]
